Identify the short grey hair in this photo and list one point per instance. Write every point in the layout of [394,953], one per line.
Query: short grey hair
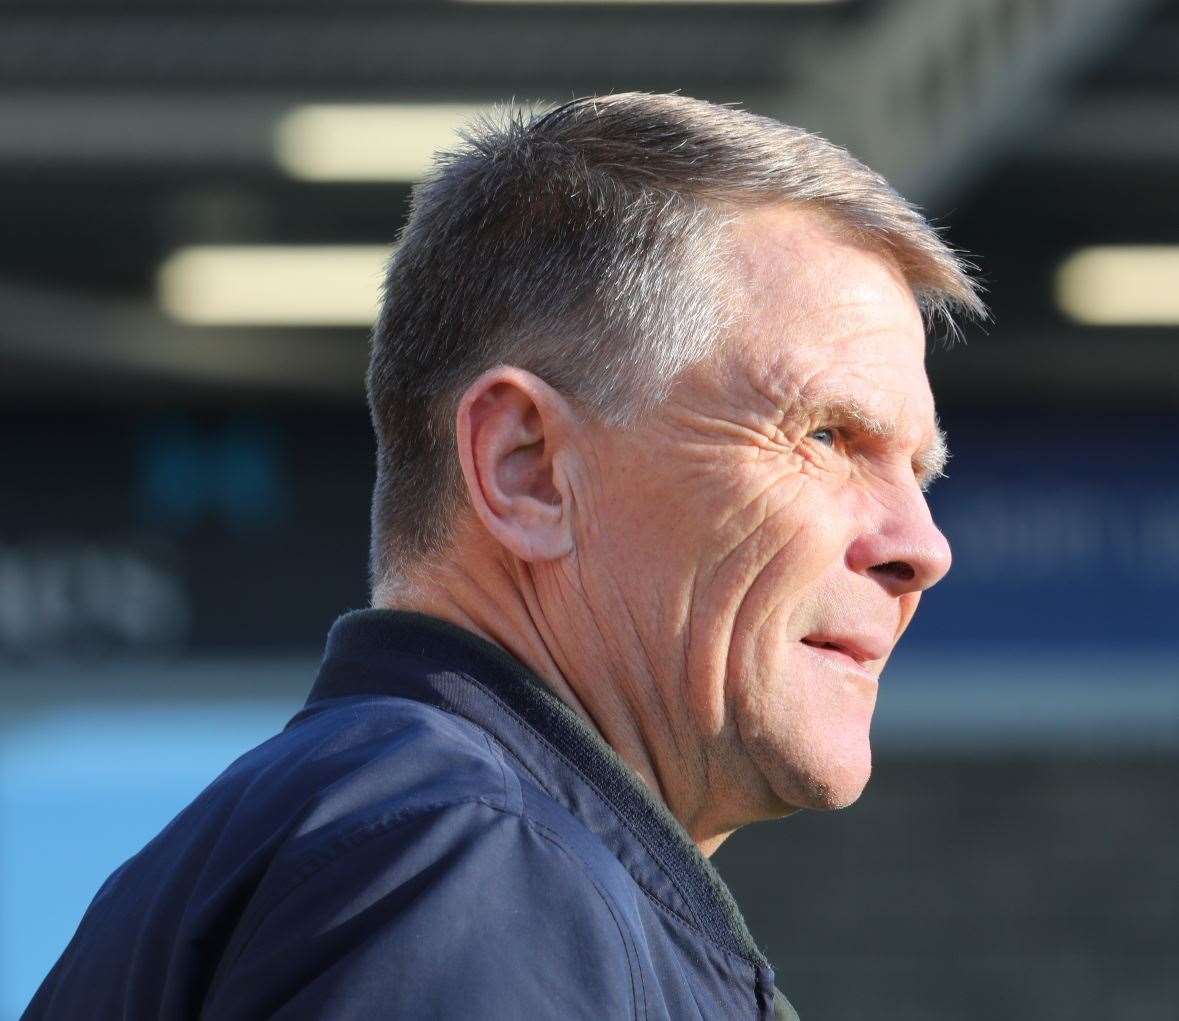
[591,245]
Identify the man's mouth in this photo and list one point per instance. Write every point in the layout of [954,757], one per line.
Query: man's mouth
[852,651]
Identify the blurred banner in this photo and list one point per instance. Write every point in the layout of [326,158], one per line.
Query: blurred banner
[186,533]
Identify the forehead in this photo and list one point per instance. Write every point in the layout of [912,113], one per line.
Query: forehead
[821,314]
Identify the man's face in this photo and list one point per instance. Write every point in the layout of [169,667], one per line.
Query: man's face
[766,528]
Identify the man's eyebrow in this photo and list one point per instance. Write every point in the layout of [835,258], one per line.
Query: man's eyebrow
[929,462]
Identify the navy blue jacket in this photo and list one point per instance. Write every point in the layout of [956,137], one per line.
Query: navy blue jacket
[435,835]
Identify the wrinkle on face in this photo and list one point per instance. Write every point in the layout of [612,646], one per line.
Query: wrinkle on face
[713,538]
[800,365]
[844,411]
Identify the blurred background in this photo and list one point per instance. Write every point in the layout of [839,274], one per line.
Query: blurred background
[195,202]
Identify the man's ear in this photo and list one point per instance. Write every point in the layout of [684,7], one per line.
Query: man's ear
[511,426]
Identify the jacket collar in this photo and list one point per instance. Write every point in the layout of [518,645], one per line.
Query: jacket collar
[386,652]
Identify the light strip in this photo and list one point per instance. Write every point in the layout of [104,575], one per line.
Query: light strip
[273,285]
[604,3]
[367,141]
[1121,285]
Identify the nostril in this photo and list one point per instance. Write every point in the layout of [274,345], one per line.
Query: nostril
[896,569]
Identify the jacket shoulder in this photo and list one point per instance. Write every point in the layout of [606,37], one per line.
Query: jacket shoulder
[388,754]
[437,910]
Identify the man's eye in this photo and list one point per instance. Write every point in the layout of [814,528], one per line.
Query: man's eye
[824,436]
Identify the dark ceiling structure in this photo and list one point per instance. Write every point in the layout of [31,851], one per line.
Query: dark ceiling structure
[128,131]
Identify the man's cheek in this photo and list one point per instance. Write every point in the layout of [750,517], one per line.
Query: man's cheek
[806,733]
[768,703]
[798,545]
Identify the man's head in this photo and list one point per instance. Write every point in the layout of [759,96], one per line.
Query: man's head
[656,367]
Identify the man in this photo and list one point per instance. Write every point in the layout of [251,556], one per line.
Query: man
[653,431]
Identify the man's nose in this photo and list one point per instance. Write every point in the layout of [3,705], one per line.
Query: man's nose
[904,550]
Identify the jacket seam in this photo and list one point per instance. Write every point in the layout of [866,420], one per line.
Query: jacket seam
[513,797]
[648,892]
[692,923]
[302,871]
[632,965]
[348,842]
[757,978]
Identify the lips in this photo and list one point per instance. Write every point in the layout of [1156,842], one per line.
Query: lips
[862,649]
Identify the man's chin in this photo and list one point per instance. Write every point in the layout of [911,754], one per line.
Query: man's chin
[826,787]
[827,797]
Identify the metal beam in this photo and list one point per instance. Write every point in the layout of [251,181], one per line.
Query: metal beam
[933,94]
[930,93]
[1115,129]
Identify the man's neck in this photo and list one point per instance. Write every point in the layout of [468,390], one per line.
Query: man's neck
[501,605]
